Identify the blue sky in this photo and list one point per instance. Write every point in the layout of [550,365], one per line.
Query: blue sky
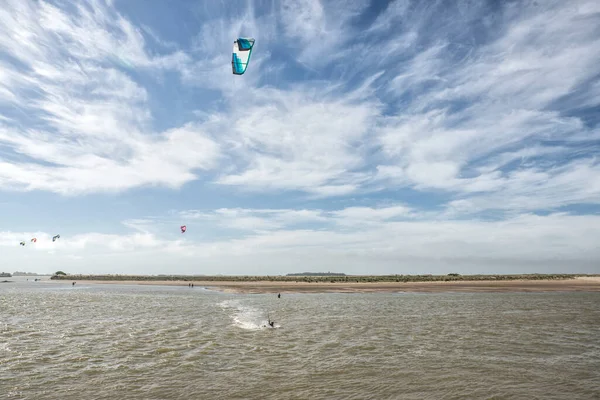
[365,137]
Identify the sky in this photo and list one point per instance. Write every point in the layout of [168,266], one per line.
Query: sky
[366,137]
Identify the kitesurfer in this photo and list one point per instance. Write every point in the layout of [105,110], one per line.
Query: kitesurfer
[278,295]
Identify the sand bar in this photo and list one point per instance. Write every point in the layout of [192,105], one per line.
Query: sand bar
[584,284]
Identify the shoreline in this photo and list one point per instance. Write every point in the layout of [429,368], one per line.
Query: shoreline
[577,284]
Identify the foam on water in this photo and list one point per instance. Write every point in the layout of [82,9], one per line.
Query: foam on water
[245,316]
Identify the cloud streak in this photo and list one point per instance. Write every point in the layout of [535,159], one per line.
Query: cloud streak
[496,104]
[93,130]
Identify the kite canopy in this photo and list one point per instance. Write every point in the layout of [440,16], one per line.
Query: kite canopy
[55,237]
[34,240]
[183,228]
[22,243]
[242,49]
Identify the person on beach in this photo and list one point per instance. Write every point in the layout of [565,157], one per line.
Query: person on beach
[278,295]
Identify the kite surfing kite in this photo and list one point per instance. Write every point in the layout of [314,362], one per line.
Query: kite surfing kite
[55,237]
[242,49]
[183,228]
[34,240]
[22,243]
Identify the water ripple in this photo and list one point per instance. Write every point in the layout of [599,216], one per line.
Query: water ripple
[128,342]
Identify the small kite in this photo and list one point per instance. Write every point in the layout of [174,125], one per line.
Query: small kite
[183,228]
[34,240]
[55,237]
[242,49]
[22,243]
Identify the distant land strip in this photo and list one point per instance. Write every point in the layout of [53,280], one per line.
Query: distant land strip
[317,278]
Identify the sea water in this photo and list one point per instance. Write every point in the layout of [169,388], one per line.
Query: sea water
[94,341]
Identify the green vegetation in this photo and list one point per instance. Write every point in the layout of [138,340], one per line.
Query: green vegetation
[317,279]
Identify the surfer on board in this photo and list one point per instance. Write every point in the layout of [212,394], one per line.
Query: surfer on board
[271,323]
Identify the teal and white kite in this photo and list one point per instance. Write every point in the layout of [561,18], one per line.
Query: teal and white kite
[242,49]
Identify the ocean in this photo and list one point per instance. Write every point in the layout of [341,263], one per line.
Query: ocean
[95,341]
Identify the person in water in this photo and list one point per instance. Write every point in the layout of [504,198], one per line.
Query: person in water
[271,323]
[278,295]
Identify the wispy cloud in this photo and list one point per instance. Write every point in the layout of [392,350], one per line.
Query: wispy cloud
[300,141]
[320,29]
[456,130]
[83,123]
[255,219]
[479,113]
[495,100]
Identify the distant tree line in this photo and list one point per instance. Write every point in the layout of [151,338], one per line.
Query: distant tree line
[19,273]
[317,274]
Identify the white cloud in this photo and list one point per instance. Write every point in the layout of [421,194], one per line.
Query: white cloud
[304,19]
[143,225]
[392,246]
[299,141]
[309,137]
[321,27]
[95,129]
[505,91]
[112,165]
[354,216]
[78,242]
[532,189]
[257,220]
[377,244]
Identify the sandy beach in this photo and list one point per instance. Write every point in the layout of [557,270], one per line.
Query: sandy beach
[576,284]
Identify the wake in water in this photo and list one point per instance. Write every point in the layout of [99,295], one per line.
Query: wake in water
[246,317]
[53,288]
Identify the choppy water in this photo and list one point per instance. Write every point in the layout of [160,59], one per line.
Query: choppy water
[159,342]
